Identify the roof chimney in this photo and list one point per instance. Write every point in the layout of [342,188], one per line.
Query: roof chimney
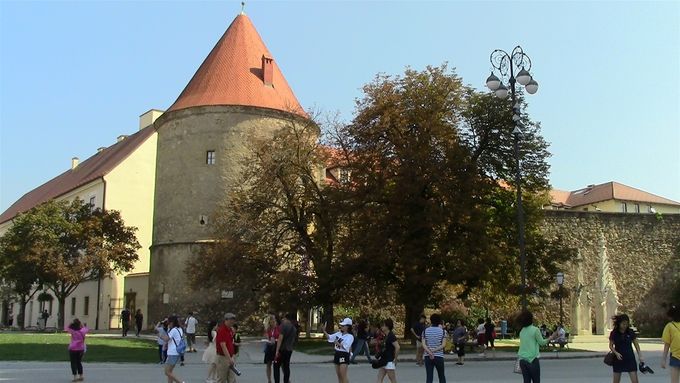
[149,117]
[121,137]
[267,70]
[74,162]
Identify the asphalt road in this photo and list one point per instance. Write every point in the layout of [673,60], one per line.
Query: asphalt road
[553,371]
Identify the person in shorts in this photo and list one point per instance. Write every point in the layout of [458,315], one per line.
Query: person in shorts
[460,337]
[417,331]
[190,325]
[671,340]
[390,353]
[342,343]
[173,338]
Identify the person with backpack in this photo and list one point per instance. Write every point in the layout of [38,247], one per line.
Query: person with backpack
[671,340]
[176,348]
[434,342]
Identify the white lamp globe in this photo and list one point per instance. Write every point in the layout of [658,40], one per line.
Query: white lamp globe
[493,82]
[501,92]
[523,77]
[532,87]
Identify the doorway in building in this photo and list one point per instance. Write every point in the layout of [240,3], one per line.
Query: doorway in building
[131,302]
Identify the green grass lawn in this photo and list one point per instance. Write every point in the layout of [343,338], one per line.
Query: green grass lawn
[54,348]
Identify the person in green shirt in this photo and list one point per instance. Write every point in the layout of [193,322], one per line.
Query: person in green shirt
[530,341]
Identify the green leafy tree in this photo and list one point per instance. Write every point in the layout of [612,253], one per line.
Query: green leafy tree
[432,164]
[278,232]
[66,243]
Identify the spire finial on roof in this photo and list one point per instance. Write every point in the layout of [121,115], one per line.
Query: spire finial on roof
[243,7]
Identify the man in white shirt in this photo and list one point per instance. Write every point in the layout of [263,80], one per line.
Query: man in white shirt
[190,325]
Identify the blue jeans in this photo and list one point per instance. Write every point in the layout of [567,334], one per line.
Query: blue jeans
[430,365]
[531,371]
[361,348]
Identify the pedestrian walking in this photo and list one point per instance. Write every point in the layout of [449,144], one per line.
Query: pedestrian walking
[376,337]
[361,346]
[489,333]
[417,331]
[139,321]
[481,337]
[342,343]
[389,354]
[162,330]
[434,342]
[460,337]
[621,341]
[175,341]
[210,352]
[224,345]
[671,340]
[190,326]
[125,320]
[43,318]
[271,333]
[76,349]
[530,342]
[284,348]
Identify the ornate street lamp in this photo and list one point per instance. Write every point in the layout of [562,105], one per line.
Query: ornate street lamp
[560,282]
[507,64]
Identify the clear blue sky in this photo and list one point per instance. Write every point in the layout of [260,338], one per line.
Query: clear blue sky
[75,75]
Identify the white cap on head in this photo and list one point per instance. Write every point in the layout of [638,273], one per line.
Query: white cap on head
[346,322]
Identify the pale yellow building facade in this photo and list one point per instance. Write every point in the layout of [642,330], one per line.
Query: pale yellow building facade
[126,184]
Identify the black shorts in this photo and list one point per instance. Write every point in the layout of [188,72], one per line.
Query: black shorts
[341,357]
[460,349]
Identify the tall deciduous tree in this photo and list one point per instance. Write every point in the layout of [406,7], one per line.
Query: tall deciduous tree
[279,230]
[432,162]
[68,243]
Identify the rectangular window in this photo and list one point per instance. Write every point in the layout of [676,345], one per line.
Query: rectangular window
[637,207]
[624,207]
[344,176]
[210,157]
[93,200]
[86,306]
[649,208]
[73,306]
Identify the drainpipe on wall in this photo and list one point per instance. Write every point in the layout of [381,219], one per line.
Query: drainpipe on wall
[99,273]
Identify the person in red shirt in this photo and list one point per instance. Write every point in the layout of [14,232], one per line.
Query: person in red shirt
[224,341]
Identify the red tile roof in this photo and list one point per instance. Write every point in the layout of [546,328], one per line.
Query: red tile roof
[87,171]
[607,191]
[232,74]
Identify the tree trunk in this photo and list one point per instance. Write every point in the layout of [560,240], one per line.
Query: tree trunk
[328,317]
[60,314]
[412,313]
[22,312]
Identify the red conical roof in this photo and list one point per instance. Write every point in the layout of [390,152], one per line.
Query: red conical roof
[232,74]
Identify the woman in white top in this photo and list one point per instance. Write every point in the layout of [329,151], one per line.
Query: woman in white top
[210,352]
[173,338]
[342,342]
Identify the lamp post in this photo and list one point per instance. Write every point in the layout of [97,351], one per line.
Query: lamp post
[507,64]
[560,282]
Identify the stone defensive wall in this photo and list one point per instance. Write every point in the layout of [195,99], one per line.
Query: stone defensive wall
[634,258]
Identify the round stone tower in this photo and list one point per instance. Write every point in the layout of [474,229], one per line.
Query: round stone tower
[237,91]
